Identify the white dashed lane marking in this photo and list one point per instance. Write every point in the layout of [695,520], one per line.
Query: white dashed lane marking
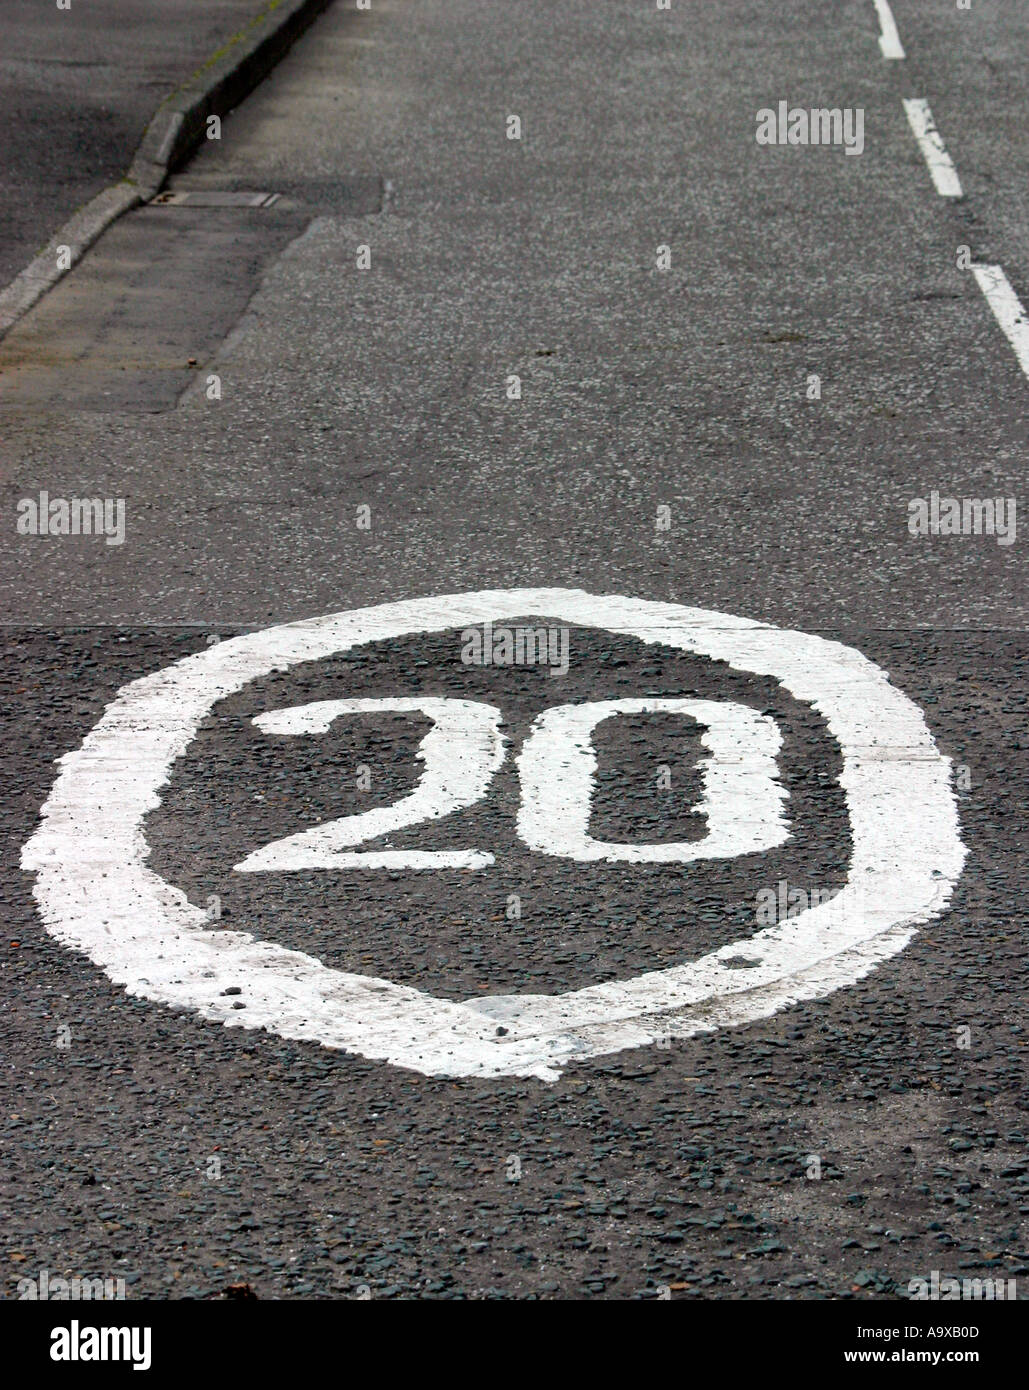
[1006,306]
[889,40]
[930,142]
[1007,309]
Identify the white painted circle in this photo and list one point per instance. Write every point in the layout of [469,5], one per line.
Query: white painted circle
[97,894]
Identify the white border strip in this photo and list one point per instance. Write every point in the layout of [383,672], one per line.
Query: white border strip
[1007,309]
[941,166]
[889,40]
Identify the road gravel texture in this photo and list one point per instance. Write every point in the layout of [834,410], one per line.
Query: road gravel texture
[293,436]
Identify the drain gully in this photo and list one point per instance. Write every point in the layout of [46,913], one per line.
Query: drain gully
[203,198]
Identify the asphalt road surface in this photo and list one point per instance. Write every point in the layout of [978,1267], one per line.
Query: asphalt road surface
[617,347]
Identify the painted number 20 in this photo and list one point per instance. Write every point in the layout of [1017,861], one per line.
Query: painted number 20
[464,748]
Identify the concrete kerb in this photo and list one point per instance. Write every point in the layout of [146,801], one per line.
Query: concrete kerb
[174,132]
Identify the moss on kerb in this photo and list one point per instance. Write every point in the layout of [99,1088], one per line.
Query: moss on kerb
[216,57]
[219,53]
[231,43]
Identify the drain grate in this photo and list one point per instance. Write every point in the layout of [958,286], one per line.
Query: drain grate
[206,198]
